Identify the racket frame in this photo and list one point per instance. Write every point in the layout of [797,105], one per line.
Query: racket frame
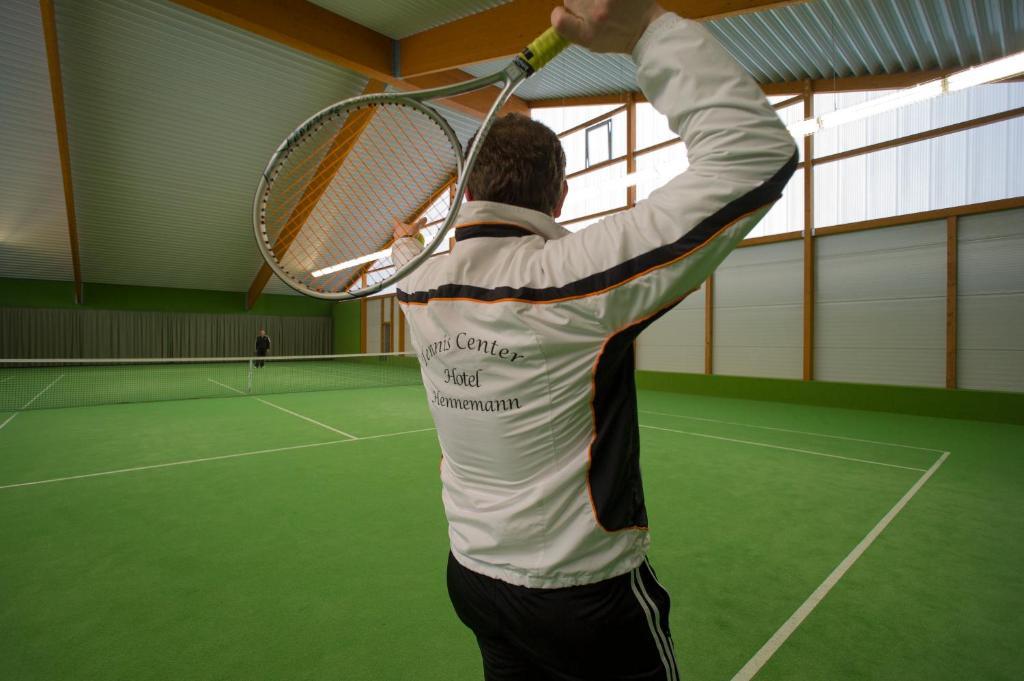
[512,76]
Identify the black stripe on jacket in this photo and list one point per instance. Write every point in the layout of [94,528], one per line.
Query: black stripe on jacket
[767,193]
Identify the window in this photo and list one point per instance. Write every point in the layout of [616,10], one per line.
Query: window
[599,143]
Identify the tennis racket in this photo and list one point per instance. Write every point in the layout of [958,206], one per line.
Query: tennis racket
[328,200]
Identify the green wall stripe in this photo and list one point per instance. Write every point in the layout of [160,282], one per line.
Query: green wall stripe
[60,294]
[348,320]
[975,405]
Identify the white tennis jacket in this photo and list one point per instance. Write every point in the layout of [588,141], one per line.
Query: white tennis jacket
[525,331]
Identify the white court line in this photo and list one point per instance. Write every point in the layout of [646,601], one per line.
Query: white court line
[289,411]
[40,393]
[785,449]
[225,385]
[761,657]
[184,462]
[799,432]
[306,418]
[8,420]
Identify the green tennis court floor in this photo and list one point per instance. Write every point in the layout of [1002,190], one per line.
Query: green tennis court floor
[301,536]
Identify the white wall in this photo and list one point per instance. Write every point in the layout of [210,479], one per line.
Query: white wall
[373,320]
[676,341]
[758,312]
[880,306]
[990,334]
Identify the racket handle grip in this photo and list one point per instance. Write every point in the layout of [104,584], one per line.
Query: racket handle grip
[544,48]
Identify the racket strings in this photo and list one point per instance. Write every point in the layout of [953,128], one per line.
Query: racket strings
[334,195]
[314,189]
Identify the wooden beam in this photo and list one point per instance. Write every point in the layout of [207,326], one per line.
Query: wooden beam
[593,216]
[808,303]
[590,100]
[921,136]
[507,29]
[709,325]
[889,81]
[598,166]
[923,216]
[341,146]
[788,102]
[771,239]
[60,119]
[309,28]
[476,103]
[595,120]
[952,240]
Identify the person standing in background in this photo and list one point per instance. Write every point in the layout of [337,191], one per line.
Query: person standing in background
[262,347]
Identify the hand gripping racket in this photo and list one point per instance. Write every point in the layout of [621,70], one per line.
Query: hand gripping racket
[328,200]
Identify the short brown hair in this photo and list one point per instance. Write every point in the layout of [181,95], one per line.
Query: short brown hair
[521,163]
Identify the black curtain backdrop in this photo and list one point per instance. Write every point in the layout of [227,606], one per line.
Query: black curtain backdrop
[37,333]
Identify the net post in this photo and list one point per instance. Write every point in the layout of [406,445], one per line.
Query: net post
[248,378]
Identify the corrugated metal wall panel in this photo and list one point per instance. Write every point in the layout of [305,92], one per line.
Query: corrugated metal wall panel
[880,308]
[33,223]
[400,18]
[675,343]
[171,117]
[991,301]
[759,312]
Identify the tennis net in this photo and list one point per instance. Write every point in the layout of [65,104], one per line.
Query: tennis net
[49,383]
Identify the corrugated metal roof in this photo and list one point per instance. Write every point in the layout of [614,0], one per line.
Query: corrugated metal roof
[576,72]
[400,18]
[33,223]
[171,116]
[827,38]
[817,40]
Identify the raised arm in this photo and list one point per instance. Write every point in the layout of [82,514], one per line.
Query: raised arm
[635,263]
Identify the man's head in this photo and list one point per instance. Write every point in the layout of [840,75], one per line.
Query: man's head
[521,163]
[263,332]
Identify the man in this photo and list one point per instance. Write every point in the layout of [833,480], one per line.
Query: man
[524,334]
[262,347]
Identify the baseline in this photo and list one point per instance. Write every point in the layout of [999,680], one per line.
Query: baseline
[761,657]
[784,449]
[185,462]
[798,432]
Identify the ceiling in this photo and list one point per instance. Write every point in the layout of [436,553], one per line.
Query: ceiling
[172,114]
[816,40]
[400,18]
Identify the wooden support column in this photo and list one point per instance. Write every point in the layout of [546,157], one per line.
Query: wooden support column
[808,359]
[952,258]
[60,119]
[709,325]
[631,147]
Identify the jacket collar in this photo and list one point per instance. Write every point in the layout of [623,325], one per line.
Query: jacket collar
[490,213]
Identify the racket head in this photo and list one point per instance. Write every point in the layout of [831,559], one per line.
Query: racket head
[328,199]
